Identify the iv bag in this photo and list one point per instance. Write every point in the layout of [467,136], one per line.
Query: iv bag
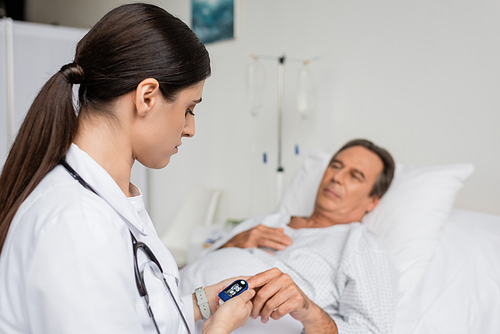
[305,92]
[255,87]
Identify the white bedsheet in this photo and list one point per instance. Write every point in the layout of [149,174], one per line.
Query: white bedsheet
[460,291]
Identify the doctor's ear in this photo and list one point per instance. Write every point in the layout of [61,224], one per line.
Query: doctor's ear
[146,95]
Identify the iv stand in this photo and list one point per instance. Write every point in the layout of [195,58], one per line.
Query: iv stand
[281,83]
[280,170]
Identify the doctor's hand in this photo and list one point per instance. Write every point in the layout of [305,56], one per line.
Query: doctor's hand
[212,293]
[261,236]
[278,295]
[231,315]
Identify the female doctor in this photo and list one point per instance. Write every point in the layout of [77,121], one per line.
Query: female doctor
[79,253]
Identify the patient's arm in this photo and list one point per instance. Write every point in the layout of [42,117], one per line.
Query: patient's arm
[279,295]
[260,236]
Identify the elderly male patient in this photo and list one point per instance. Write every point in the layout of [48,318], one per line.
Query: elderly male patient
[342,273]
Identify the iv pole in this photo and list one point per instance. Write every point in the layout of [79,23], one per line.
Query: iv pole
[280,170]
[281,83]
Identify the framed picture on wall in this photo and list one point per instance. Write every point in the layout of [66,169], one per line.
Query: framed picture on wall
[213,20]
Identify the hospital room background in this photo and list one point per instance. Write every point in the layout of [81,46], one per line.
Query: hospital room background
[420,78]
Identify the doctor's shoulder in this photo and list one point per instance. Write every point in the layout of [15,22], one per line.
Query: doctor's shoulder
[61,203]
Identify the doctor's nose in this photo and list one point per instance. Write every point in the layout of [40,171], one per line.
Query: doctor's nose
[189,127]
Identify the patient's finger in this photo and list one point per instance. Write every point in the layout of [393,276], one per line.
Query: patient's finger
[278,241]
[281,297]
[283,303]
[270,284]
[262,278]
[269,243]
[281,311]
[278,296]
[275,238]
[271,305]
[260,301]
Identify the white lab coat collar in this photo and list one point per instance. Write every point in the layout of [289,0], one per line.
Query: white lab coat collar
[99,179]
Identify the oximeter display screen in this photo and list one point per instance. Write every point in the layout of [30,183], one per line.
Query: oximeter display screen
[234,288]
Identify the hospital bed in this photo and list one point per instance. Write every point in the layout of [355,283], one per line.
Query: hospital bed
[448,258]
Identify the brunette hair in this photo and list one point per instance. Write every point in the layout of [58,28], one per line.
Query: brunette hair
[384,179]
[129,44]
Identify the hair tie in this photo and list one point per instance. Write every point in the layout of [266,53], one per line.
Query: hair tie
[73,73]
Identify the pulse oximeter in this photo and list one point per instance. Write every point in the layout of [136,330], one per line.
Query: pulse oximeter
[233,290]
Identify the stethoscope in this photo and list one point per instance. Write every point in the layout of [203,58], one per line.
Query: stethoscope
[139,275]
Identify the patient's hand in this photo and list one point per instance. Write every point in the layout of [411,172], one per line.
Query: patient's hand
[261,236]
[278,295]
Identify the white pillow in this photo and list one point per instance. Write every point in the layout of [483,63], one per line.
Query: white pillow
[409,218]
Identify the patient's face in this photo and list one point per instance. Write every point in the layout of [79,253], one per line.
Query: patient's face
[343,194]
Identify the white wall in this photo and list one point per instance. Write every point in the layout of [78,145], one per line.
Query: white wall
[420,78]
[22,75]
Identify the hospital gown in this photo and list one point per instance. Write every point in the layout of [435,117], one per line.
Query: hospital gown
[344,269]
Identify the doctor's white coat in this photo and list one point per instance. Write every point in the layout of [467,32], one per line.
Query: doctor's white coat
[67,263]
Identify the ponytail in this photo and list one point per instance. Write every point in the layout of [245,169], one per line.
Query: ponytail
[43,139]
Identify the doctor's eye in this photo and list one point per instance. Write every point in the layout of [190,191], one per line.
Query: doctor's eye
[189,111]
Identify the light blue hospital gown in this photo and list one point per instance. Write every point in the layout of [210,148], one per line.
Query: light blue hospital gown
[344,269]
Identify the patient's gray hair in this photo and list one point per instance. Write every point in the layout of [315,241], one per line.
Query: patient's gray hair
[385,178]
